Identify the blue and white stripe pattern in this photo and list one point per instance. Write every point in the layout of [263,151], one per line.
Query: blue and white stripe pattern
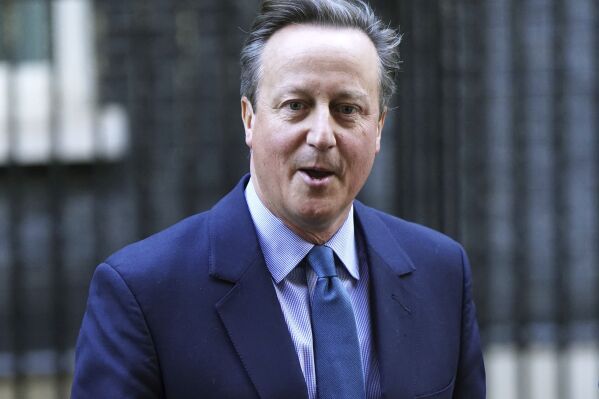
[284,250]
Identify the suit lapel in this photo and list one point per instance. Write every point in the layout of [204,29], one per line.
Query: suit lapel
[254,321]
[250,311]
[393,306]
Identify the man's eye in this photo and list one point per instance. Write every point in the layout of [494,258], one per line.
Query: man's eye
[295,106]
[347,109]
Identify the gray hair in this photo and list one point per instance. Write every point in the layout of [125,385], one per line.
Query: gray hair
[276,14]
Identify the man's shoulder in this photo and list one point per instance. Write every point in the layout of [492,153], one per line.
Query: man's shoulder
[176,244]
[420,243]
[184,248]
[405,229]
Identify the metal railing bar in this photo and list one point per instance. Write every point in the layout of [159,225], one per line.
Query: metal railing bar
[520,304]
[15,210]
[55,187]
[559,135]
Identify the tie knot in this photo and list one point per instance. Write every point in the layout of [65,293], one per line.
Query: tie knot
[322,261]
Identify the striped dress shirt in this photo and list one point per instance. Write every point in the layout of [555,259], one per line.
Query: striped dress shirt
[294,281]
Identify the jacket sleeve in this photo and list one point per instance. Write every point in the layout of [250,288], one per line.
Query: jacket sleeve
[470,379]
[115,355]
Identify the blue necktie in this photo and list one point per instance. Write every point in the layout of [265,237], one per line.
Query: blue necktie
[336,347]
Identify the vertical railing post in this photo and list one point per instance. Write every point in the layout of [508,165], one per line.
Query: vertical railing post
[15,208]
[519,261]
[558,134]
[405,128]
[448,106]
[55,186]
[596,125]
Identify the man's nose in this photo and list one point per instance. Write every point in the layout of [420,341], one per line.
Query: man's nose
[321,134]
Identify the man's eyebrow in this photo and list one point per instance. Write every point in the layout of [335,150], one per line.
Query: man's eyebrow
[353,94]
[291,89]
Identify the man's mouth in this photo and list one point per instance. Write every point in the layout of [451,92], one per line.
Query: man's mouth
[317,174]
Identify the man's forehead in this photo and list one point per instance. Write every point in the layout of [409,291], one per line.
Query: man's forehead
[304,46]
[332,37]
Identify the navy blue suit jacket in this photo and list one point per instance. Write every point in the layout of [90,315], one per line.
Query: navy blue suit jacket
[191,312]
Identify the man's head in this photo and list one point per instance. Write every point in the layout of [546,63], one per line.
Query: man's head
[314,116]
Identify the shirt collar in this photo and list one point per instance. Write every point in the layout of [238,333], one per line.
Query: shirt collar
[283,250]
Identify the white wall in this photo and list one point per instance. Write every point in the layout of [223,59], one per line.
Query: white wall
[39,95]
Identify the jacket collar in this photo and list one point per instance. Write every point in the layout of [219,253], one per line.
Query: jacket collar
[234,242]
[381,240]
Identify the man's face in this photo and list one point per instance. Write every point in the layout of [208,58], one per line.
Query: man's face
[316,127]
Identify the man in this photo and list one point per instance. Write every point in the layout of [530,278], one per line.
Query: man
[288,287]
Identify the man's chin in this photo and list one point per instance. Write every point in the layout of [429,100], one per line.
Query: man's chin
[318,216]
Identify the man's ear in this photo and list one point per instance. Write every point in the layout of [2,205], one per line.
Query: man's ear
[379,132]
[247,116]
